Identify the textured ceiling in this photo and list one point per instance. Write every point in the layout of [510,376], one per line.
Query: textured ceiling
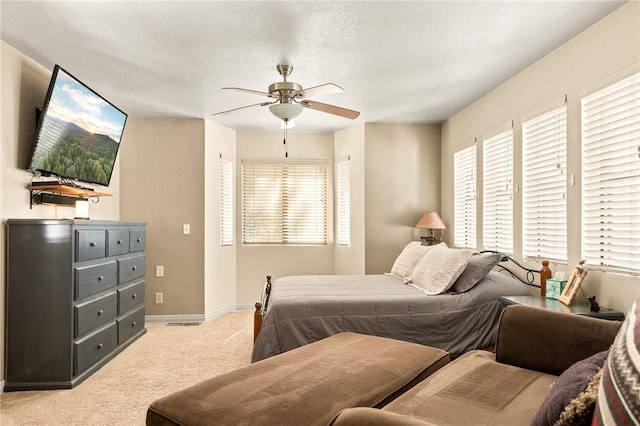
[399,62]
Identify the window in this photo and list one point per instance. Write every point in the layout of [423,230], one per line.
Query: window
[611,177]
[284,203]
[226,201]
[497,193]
[544,185]
[343,184]
[464,193]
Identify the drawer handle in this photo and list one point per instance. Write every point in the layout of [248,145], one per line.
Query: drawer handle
[100,312]
[119,241]
[92,244]
[139,240]
[133,324]
[100,278]
[99,346]
[133,296]
[134,268]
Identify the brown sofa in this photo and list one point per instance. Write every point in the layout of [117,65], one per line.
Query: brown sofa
[533,348]
[352,379]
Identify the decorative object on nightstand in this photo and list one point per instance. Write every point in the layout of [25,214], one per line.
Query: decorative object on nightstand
[554,288]
[573,284]
[545,274]
[430,221]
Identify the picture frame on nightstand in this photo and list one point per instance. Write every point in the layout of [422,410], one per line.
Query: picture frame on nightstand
[573,284]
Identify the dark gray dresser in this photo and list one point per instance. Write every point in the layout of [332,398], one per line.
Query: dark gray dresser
[75,298]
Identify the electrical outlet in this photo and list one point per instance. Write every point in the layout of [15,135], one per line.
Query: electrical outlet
[159,271]
[186,229]
[159,298]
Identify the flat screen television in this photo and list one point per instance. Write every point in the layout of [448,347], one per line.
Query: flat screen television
[78,132]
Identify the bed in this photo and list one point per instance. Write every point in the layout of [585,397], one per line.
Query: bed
[297,310]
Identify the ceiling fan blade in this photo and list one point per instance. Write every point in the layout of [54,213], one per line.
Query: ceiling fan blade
[253,92]
[322,90]
[331,109]
[244,107]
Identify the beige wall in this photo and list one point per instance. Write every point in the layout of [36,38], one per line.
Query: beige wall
[23,87]
[350,260]
[402,181]
[604,52]
[219,262]
[162,170]
[255,263]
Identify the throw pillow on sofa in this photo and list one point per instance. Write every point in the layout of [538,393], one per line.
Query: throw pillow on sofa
[569,386]
[619,393]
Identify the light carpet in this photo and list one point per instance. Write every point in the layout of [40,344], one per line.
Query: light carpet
[167,358]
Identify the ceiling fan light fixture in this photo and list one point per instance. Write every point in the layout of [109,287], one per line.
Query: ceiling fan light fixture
[286,111]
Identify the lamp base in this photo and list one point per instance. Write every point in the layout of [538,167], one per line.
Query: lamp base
[430,240]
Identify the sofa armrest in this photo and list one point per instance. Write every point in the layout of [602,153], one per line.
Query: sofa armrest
[550,342]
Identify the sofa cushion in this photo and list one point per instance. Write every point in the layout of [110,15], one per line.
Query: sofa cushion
[569,386]
[619,393]
[307,385]
[361,416]
[475,390]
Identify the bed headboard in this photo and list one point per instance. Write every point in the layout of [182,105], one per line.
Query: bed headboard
[523,274]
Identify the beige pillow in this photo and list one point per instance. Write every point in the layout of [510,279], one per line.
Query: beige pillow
[409,258]
[439,268]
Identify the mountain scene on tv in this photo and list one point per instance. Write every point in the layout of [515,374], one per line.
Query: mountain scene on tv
[80,134]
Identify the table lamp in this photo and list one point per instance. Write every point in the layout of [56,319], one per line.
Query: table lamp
[430,221]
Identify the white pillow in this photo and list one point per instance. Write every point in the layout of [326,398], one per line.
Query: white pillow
[409,258]
[439,269]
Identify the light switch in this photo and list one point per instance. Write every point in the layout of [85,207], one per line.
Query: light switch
[186,229]
[159,271]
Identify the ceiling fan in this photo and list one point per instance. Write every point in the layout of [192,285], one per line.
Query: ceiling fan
[290,98]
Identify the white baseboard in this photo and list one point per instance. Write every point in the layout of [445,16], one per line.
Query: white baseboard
[196,317]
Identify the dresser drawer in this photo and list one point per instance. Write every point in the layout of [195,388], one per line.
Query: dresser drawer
[90,244]
[137,239]
[117,241]
[130,268]
[94,347]
[130,324]
[130,296]
[92,314]
[94,279]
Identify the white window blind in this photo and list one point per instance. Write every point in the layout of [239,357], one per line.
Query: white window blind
[343,183]
[465,197]
[544,185]
[497,192]
[284,203]
[611,177]
[226,201]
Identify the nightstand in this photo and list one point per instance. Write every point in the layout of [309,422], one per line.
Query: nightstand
[577,307]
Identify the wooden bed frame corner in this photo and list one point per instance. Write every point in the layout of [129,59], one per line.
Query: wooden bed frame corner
[261,307]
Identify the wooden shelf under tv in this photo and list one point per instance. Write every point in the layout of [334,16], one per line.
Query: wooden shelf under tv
[60,194]
[57,188]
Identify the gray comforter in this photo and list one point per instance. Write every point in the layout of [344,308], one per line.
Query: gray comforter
[303,309]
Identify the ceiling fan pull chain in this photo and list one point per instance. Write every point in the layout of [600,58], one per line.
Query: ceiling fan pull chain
[284,141]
